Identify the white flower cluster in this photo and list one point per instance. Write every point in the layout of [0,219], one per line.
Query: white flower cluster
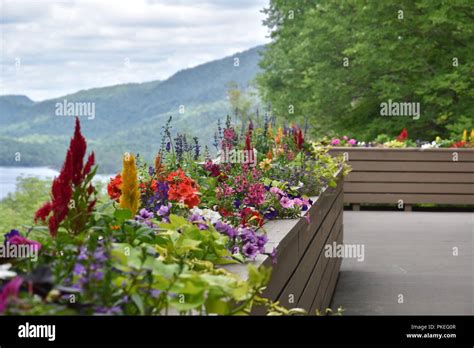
[4,271]
[208,214]
[432,145]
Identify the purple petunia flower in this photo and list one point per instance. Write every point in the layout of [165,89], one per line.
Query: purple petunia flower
[226,229]
[270,214]
[248,236]
[250,250]
[199,221]
[262,240]
[11,234]
[164,210]
[145,214]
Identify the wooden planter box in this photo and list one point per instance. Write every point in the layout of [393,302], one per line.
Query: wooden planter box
[303,277]
[410,175]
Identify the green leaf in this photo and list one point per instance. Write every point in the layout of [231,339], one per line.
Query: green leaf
[122,215]
[136,298]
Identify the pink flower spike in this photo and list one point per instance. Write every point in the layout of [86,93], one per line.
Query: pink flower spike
[11,289]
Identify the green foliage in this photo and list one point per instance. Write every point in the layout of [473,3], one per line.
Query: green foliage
[18,208]
[408,59]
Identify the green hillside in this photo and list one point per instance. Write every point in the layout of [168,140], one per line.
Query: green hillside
[128,117]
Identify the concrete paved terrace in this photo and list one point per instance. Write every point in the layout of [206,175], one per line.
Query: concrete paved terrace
[408,259]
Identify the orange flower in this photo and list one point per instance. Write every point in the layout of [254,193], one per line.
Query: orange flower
[113,188]
[183,189]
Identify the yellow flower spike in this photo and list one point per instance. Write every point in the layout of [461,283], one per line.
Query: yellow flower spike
[270,131]
[472,134]
[464,135]
[130,197]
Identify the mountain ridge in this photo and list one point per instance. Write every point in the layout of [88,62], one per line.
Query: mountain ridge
[134,111]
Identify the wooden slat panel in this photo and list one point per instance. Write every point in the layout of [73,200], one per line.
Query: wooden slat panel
[389,166]
[326,302]
[391,187]
[332,267]
[287,262]
[407,198]
[326,234]
[419,155]
[319,280]
[410,177]
[317,216]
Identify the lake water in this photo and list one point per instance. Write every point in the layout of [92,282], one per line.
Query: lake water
[9,175]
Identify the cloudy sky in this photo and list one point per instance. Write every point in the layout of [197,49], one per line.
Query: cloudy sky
[51,48]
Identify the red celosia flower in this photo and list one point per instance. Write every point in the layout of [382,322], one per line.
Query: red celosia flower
[70,177]
[91,205]
[113,187]
[403,135]
[43,212]
[90,162]
[78,150]
[298,137]
[248,141]
[61,192]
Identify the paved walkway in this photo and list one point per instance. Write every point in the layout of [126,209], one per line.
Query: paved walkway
[408,257]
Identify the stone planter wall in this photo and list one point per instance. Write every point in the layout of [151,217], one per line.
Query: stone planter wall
[412,175]
[303,276]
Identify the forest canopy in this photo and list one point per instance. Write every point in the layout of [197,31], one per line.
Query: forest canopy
[336,62]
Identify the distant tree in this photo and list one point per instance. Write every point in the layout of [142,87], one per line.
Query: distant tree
[337,61]
[240,101]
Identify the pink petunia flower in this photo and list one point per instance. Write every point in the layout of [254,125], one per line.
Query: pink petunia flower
[286,202]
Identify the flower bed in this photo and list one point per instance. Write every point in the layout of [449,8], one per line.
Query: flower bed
[408,176]
[402,141]
[161,240]
[304,277]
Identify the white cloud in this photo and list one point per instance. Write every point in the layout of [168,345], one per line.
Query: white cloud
[65,45]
